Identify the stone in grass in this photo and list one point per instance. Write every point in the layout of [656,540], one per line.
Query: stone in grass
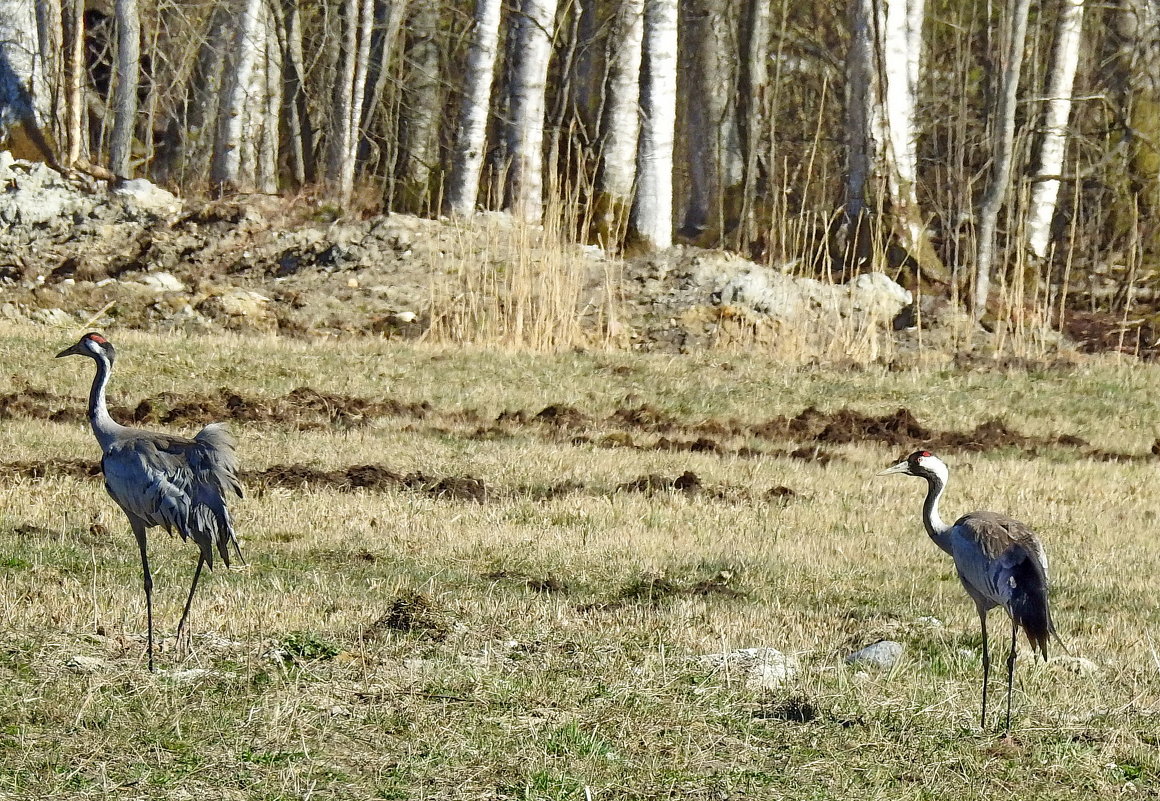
[85,664]
[762,668]
[882,654]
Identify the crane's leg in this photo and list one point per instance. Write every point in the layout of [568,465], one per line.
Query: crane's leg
[1011,673]
[986,665]
[139,533]
[189,600]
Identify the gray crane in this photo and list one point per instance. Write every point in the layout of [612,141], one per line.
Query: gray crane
[999,560]
[164,480]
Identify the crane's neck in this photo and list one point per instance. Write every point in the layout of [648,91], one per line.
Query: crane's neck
[104,427]
[935,527]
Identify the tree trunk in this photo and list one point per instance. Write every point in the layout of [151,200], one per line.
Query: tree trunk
[621,125]
[1053,142]
[347,104]
[388,22]
[754,76]
[712,139]
[882,72]
[125,97]
[1136,37]
[652,214]
[225,173]
[471,135]
[25,99]
[534,27]
[423,104]
[299,133]
[74,80]
[1004,135]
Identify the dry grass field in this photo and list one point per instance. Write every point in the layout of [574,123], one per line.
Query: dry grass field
[500,611]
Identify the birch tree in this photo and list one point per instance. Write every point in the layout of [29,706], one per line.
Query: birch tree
[621,123]
[652,213]
[471,133]
[1004,139]
[1053,140]
[534,26]
[882,73]
[25,101]
[346,107]
[125,94]
[712,145]
[225,172]
[422,107]
[1136,78]
[754,76]
[74,78]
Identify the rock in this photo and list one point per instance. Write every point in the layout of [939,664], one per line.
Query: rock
[933,622]
[762,668]
[85,664]
[239,309]
[55,317]
[147,196]
[163,282]
[882,654]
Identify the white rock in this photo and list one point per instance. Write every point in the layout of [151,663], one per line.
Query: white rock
[56,317]
[933,622]
[163,282]
[882,654]
[763,668]
[148,196]
[85,664]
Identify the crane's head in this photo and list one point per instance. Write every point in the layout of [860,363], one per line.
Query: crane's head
[922,464]
[92,345]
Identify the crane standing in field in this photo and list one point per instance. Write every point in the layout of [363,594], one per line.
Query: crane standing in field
[163,480]
[999,560]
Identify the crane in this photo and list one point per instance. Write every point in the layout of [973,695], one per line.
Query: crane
[164,480]
[1000,562]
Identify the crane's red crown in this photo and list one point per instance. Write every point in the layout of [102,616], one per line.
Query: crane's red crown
[95,337]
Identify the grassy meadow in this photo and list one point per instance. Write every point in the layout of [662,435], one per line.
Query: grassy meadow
[541,643]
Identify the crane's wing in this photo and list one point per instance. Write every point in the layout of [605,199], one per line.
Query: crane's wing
[1002,560]
[178,483]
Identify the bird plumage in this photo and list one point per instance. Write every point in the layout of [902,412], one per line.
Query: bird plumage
[1000,562]
[164,480]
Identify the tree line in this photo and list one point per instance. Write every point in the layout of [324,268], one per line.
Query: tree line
[962,144]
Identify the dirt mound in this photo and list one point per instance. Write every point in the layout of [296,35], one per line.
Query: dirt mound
[688,483]
[370,476]
[412,613]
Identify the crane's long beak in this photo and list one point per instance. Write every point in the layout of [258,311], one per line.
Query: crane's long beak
[75,350]
[901,467]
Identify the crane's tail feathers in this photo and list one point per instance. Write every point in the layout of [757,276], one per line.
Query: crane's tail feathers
[1029,605]
[213,528]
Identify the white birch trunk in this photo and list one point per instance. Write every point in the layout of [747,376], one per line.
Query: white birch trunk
[1004,129]
[225,172]
[653,208]
[357,92]
[535,24]
[471,136]
[622,115]
[339,135]
[125,95]
[901,53]
[713,154]
[24,92]
[1053,143]
[422,100]
[74,79]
